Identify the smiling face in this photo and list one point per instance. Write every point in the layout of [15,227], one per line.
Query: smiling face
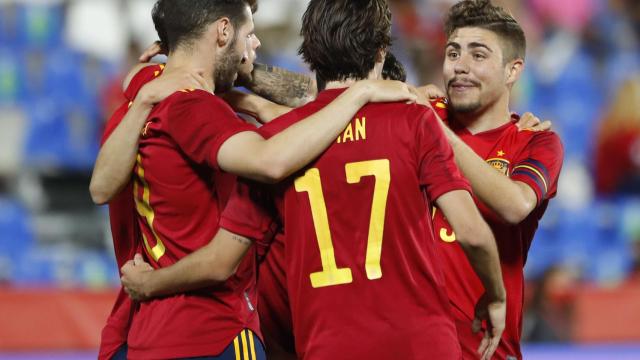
[475,73]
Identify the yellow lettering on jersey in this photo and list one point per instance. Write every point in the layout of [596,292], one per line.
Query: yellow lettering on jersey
[143,206]
[381,170]
[331,274]
[446,236]
[361,129]
[348,133]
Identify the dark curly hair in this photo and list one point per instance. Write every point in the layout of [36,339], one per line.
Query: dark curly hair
[180,21]
[341,38]
[483,14]
[393,69]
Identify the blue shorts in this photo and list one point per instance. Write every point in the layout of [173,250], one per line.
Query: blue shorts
[246,346]
[121,354]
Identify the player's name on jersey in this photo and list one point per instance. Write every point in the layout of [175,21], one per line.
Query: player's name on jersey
[355,131]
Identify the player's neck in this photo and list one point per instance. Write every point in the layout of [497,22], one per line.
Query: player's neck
[489,118]
[340,84]
[373,74]
[185,60]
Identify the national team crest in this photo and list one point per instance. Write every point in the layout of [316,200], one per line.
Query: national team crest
[501,165]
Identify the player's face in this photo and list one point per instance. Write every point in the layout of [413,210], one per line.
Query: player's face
[249,56]
[474,71]
[238,56]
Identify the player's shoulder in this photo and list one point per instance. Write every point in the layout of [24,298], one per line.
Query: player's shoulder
[284,121]
[540,138]
[193,103]
[195,98]
[139,76]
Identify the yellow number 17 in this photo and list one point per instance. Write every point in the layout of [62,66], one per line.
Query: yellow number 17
[312,185]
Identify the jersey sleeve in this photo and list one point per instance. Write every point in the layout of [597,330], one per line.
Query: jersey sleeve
[200,123]
[114,121]
[251,212]
[142,77]
[438,172]
[540,165]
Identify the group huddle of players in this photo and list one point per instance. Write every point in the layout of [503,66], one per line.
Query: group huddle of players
[365,219]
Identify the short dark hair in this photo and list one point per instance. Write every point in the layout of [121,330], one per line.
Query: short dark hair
[341,38]
[483,14]
[393,69]
[179,22]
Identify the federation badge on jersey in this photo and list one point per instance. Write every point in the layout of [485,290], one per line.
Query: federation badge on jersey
[501,165]
[440,105]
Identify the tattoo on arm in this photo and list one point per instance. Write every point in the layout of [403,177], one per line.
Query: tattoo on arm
[241,239]
[281,86]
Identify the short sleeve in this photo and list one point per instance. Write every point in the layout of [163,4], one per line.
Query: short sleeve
[438,172]
[540,165]
[200,123]
[113,122]
[142,77]
[251,212]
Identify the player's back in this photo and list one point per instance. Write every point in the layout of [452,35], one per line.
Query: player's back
[124,229]
[179,193]
[362,273]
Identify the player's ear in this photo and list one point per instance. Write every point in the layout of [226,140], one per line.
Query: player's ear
[224,30]
[513,70]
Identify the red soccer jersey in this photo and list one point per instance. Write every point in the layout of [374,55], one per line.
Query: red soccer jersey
[363,277]
[534,158]
[124,229]
[179,192]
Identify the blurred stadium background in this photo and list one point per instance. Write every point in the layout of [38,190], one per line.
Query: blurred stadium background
[61,66]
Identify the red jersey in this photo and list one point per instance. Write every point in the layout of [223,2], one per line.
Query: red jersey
[362,272]
[534,158]
[179,191]
[124,229]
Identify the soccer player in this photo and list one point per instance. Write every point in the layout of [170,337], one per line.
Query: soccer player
[513,173]
[360,258]
[187,139]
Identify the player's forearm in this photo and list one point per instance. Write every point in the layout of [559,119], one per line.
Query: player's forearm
[482,253]
[190,273]
[505,197]
[117,156]
[210,265]
[299,144]
[261,109]
[281,86]
[476,239]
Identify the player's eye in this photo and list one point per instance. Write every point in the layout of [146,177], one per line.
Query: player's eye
[479,56]
[453,55]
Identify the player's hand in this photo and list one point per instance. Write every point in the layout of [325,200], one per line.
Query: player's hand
[431,91]
[494,313]
[135,274]
[154,49]
[530,122]
[387,91]
[169,82]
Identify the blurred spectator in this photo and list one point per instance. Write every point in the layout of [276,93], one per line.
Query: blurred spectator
[547,318]
[617,160]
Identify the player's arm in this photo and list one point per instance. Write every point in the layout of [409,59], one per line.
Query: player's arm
[210,265]
[477,241]
[116,158]
[248,155]
[280,85]
[260,108]
[512,200]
